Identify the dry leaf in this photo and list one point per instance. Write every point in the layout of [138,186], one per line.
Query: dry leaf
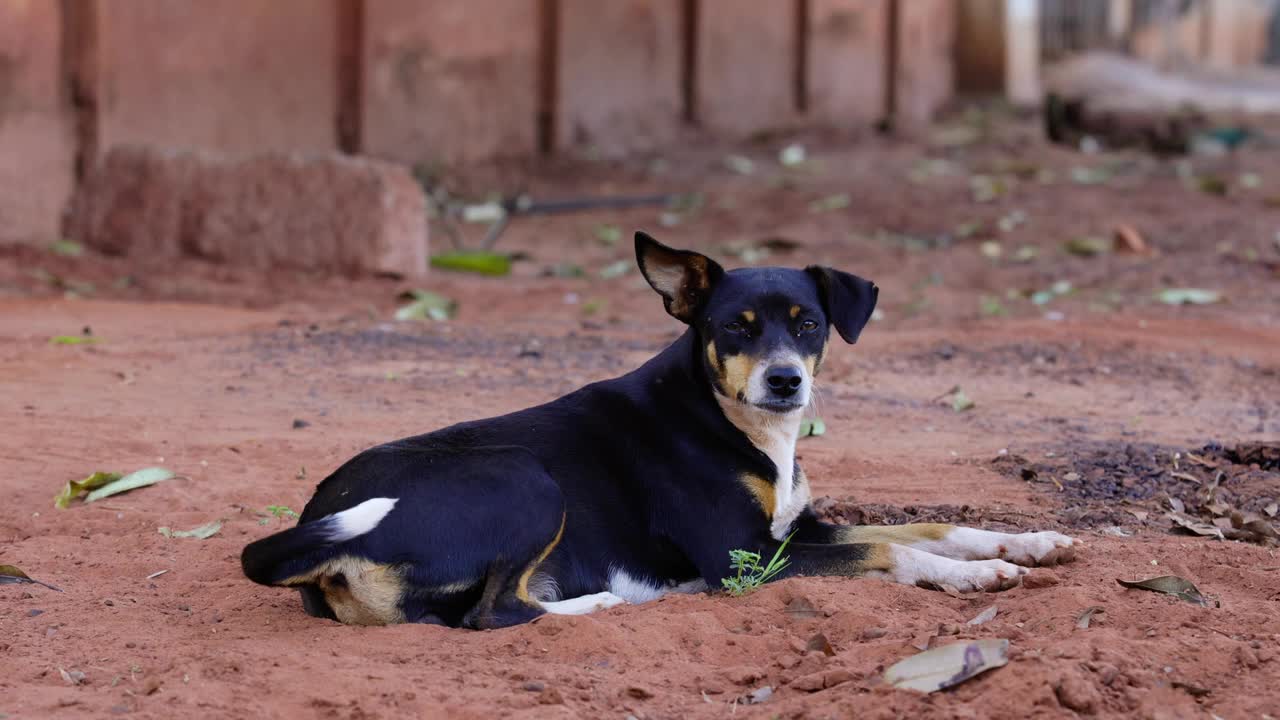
[948,665]
[1082,622]
[1127,239]
[1170,585]
[10,574]
[985,616]
[134,480]
[1195,527]
[1177,505]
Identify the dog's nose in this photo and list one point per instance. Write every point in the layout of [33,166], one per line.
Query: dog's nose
[784,380]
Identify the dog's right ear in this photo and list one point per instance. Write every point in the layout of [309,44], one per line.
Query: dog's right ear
[683,278]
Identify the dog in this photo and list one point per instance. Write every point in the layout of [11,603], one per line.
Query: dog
[625,489]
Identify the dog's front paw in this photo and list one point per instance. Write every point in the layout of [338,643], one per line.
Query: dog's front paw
[984,575]
[1038,549]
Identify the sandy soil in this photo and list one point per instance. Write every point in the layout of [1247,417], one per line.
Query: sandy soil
[1081,404]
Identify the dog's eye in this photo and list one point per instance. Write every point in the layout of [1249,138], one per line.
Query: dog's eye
[735,327]
[808,326]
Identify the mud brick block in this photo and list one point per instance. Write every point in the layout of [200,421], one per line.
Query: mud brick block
[925,77]
[37,136]
[848,53]
[448,81]
[745,73]
[618,76]
[234,76]
[327,212]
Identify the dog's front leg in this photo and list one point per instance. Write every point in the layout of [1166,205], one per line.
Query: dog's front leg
[958,543]
[899,563]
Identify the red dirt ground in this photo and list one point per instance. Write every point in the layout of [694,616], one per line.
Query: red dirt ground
[205,369]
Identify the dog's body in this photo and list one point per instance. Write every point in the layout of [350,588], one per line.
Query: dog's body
[625,489]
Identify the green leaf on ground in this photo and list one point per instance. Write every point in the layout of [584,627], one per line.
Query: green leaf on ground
[812,427]
[1087,246]
[475,261]
[1180,588]
[426,305]
[11,574]
[948,665]
[961,402]
[1188,296]
[73,340]
[838,201]
[616,269]
[67,248]
[203,532]
[134,480]
[76,488]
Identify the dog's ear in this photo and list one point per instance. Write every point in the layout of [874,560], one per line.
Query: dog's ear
[847,299]
[683,278]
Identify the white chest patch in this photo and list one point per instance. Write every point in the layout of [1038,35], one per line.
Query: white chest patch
[775,435]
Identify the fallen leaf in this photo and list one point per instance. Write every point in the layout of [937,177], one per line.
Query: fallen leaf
[1212,185]
[202,532]
[948,665]
[792,155]
[67,248]
[1180,588]
[608,234]
[1141,515]
[757,696]
[476,261]
[75,677]
[1177,505]
[10,574]
[831,202]
[984,617]
[616,269]
[739,164]
[961,402]
[75,488]
[426,305]
[1082,622]
[812,427]
[134,480]
[819,643]
[1271,509]
[73,340]
[564,270]
[1188,296]
[1127,239]
[1087,246]
[1195,527]
[991,249]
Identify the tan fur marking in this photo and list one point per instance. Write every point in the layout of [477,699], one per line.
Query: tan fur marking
[736,374]
[795,310]
[371,595]
[762,490]
[522,585]
[900,534]
[749,316]
[878,557]
[712,358]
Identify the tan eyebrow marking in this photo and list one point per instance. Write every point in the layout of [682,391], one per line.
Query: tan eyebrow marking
[795,310]
[749,315]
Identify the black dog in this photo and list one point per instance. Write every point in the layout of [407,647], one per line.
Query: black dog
[625,489]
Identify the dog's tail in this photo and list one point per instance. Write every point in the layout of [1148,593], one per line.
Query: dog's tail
[287,558]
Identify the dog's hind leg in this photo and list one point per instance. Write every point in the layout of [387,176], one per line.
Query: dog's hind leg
[506,600]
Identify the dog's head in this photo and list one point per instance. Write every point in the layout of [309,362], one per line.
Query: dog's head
[763,331]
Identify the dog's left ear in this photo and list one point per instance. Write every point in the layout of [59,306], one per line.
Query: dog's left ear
[683,278]
[847,299]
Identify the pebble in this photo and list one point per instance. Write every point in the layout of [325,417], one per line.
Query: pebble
[1040,579]
[1077,693]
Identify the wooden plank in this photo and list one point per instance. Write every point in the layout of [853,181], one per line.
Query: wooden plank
[924,75]
[745,65]
[237,76]
[450,82]
[848,54]
[37,137]
[619,68]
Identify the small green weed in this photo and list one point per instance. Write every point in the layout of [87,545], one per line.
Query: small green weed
[751,575]
[279,512]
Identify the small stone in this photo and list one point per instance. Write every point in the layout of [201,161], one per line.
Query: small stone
[1040,579]
[639,693]
[832,678]
[533,686]
[33,613]
[812,682]
[299,423]
[1077,693]
[874,633]
[109,602]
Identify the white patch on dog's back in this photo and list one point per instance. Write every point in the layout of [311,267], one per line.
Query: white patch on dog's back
[361,519]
